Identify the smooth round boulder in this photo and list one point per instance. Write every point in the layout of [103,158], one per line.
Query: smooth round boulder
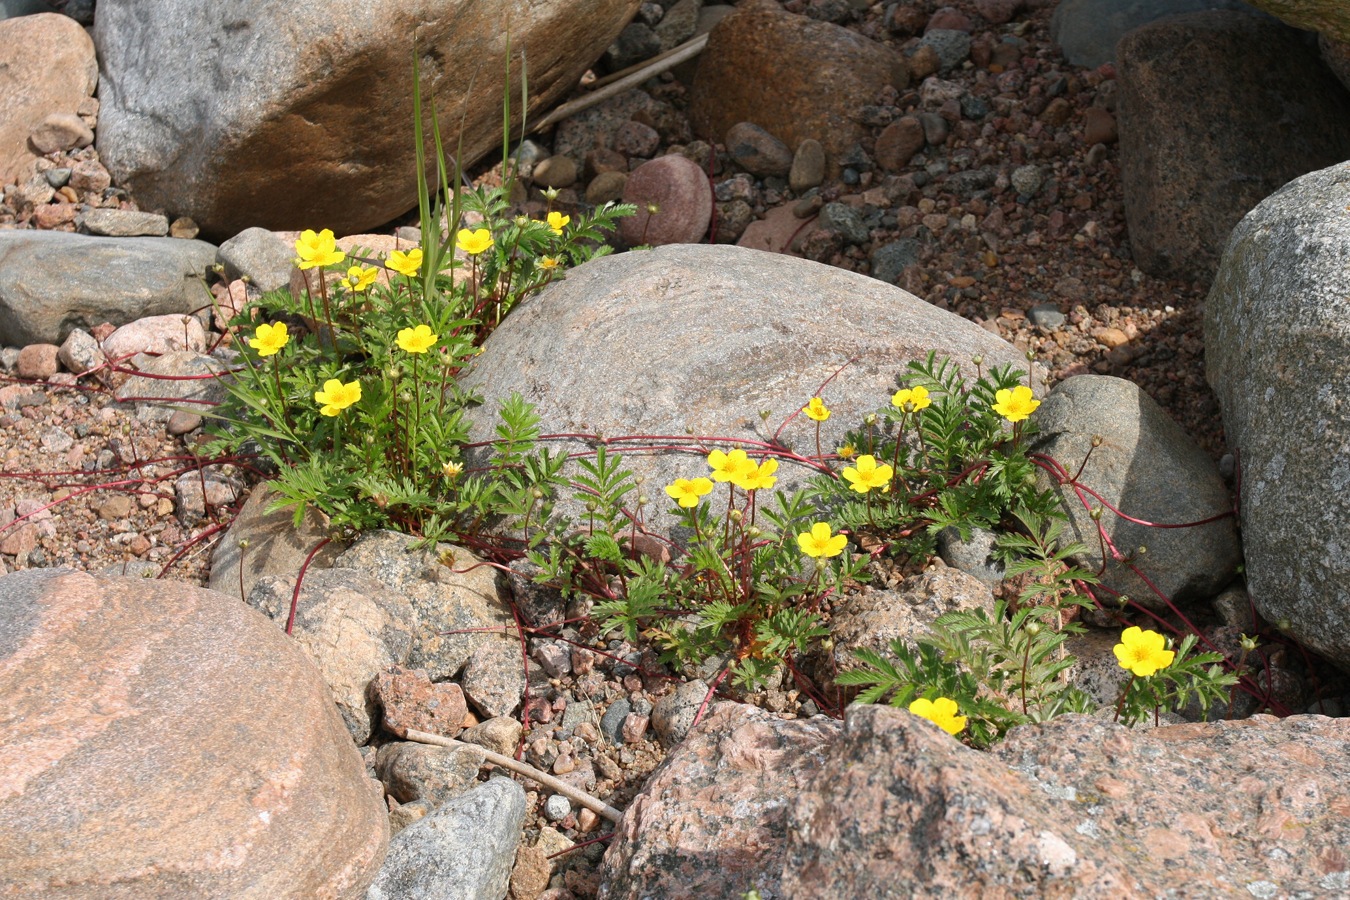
[674,203]
[163,740]
[695,342]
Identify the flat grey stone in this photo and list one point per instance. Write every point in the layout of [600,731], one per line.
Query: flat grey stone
[51,282]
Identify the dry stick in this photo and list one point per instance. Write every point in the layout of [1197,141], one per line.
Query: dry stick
[687,50]
[599,807]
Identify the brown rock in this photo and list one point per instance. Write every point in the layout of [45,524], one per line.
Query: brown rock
[279,144]
[411,700]
[1099,126]
[898,142]
[606,187]
[924,62]
[758,152]
[950,19]
[710,821]
[679,191]
[38,361]
[50,216]
[900,809]
[530,876]
[60,131]
[602,159]
[998,12]
[778,232]
[752,70]
[89,175]
[165,740]
[1189,179]
[49,67]
[556,172]
[1056,112]
[19,542]
[116,506]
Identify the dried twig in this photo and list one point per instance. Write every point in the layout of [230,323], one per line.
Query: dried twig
[668,60]
[599,807]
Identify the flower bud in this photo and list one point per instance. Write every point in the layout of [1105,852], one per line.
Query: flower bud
[218,268]
[1096,513]
[243,543]
[1248,642]
[735,515]
[653,208]
[754,531]
[1031,356]
[643,500]
[1284,624]
[1096,440]
[870,419]
[592,506]
[1033,628]
[977,359]
[537,494]
[1123,599]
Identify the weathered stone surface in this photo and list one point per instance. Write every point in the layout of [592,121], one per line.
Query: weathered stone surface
[710,822]
[1277,352]
[161,740]
[794,77]
[1148,468]
[408,699]
[674,202]
[1328,17]
[80,352]
[155,335]
[1089,30]
[453,607]
[704,338]
[269,544]
[262,255]
[49,67]
[494,678]
[758,152]
[185,380]
[1188,179]
[299,116]
[461,851]
[51,282]
[351,625]
[412,771]
[1074,808]
[123,223]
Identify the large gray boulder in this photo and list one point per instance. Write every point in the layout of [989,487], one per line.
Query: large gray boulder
[1277,351]
[292,116]
[52,282]
[1148,468]
[1217,110]
[694,342]
[163,740]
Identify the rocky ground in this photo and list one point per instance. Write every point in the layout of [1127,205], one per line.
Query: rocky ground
[1046,265]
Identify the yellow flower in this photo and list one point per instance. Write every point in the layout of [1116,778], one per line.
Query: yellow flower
[409,263]
[359,277]
[417,340]
[317,249]
[557,221]
[868,475]
[452,469]
[942,712]
[757,477]
[686,491]
[473,242]
[548,263]
[847,451]
[1015,405]
[269,339]
[816,410]
[336,396]
[917,397]
[818,542]
[1142,652]
[733,466]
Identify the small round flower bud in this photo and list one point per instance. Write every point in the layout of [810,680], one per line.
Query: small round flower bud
[1096,440]
[870,419]
[1248,642]
[243,543]
[1031,355]
[1033,628]
[754,531]
[1123,599]
[537,494]
[735,515]
[640,480]
[1096,513]
[246,279]
[592,506]
[643,500]
[218,268]
[1283,624]
[977,359]
[653,208]
[1142,550]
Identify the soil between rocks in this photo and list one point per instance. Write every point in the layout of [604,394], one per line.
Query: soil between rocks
[96,481]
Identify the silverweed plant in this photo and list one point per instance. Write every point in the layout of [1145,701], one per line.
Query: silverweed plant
[956,458]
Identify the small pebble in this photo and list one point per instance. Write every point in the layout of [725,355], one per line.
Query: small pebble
[557,807]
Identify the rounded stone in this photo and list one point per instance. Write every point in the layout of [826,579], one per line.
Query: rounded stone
[808,166]
[674,202]
[606,187]
[556,172]
[169,741]
[757,151]
[557,807]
